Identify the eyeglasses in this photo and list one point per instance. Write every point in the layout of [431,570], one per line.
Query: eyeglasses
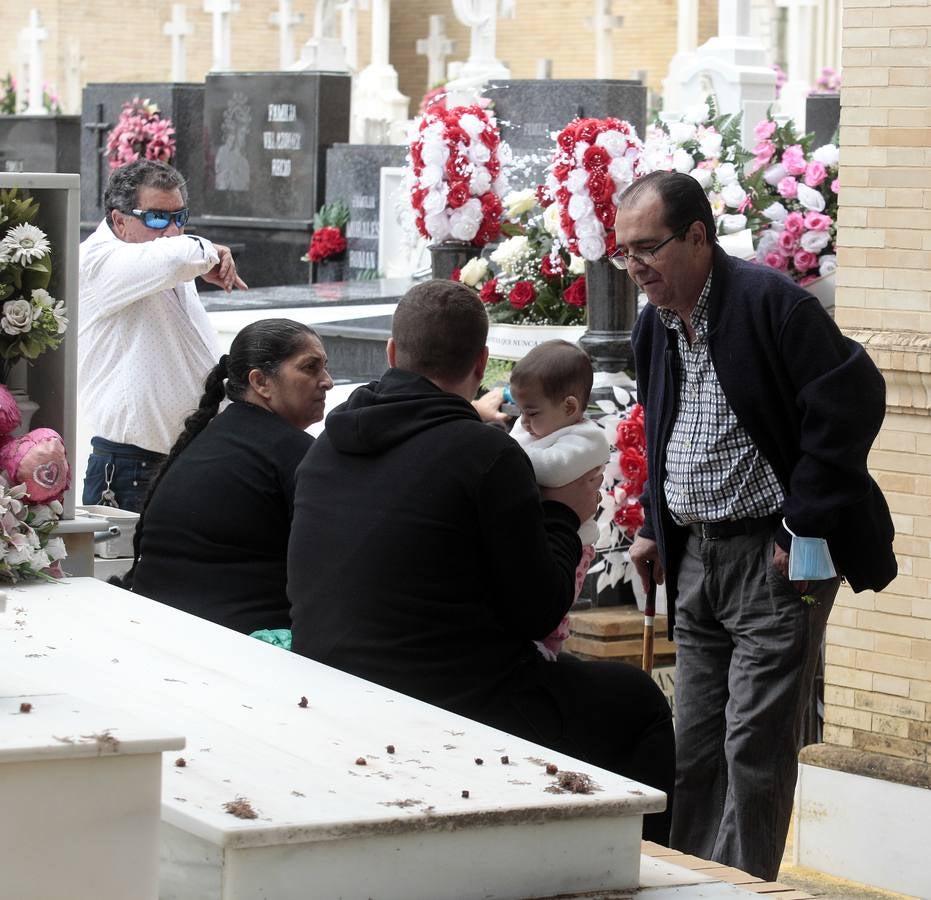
[160,219]
[621,260]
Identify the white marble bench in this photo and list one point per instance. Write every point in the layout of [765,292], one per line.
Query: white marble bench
[399,826]
[80,799]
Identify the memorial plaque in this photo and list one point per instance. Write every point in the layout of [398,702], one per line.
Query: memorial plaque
[40,144]
[353,177]
[101,107]
[529,111]
[266,135]
[822,117]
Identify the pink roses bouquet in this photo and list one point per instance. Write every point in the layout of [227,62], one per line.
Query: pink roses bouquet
[455,175]
[595,160]
[140,133]
[796,190]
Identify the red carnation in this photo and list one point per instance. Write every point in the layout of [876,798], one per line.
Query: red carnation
[458,194]
[574,295]
[522,294]
[489,292]
[326,242]
[553,266]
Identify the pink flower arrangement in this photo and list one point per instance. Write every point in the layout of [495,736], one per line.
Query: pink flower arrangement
[455,175]
[595,160]
[828,81]
[795,188]
[140,133]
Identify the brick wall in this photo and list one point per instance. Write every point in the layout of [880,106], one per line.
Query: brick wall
[113,48]
[878,673]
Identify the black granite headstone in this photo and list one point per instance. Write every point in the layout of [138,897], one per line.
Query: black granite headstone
[529,111]
[353,177]
[101,107]
[40,144]
[265,141]
[822,117]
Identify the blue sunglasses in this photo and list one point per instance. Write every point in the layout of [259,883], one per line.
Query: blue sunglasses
[160,219]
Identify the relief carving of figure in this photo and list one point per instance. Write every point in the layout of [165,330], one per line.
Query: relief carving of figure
[231,167]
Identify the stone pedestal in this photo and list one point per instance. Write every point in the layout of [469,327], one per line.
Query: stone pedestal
[822,117]
[451,255]
[611,299]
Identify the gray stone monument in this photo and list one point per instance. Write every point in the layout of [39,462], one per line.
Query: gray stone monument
[265,141]
[353,177]
[40,144]
[822,117]
[102,103]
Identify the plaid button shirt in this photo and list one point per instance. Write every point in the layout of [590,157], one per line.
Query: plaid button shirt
[714,471]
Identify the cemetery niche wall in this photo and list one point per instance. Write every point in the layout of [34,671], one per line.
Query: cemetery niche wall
[265,140]
[40,144]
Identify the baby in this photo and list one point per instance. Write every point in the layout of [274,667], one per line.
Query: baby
[551,385]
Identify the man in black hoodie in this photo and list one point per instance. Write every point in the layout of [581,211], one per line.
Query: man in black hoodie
[423,558]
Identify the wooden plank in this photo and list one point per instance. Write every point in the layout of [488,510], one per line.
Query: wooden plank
[651,848]
[632,650]
[730,875]
[688,861]
[768,887]
[612,622]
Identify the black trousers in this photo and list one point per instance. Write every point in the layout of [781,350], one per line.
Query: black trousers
[608,714]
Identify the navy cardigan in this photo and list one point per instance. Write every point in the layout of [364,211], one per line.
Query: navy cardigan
[811,399]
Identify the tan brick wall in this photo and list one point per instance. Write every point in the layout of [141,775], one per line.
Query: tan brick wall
[122,41]
[878,674]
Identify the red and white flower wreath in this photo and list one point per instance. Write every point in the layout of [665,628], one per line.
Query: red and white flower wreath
[455,175]
[595,161]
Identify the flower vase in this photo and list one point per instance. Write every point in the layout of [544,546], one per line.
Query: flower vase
[611,298]
[448,256]
[329,270]
[14,376]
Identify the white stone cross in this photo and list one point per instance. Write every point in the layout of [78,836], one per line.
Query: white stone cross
[32,37]
[481,17]
[733,18]
[177,29]
[686,26]
[349,30]
[284,18]
[604,23]
[222,11]
[436,46]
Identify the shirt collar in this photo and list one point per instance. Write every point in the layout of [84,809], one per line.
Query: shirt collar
[699,317]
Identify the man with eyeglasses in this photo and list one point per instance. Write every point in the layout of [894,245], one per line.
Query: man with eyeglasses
[759,418]
[145,343]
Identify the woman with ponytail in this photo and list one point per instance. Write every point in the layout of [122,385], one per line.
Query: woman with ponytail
[212,539]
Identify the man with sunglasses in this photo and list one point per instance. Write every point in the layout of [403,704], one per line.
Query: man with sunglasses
[759,418]
[145,343]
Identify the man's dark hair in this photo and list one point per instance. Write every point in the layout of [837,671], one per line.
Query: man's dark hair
[439,329]
[683,198]
[559,368]
[123,187]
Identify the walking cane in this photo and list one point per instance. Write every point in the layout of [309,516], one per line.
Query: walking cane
[649,615]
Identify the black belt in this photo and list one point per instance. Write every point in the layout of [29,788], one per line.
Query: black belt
[146,456]
[712,531]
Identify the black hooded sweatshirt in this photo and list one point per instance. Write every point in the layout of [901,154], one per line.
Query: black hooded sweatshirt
[421,555]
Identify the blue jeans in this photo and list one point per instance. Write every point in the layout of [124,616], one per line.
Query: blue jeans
[124,469]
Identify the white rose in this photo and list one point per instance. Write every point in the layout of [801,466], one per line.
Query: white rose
[576,265]
[55,549]
[577,181]
[680,132]
[775,212]
[516,203]
[774,174]
[697,113]
[592,247]
[500,185]
[733,194]
[726,173]
[551,219]
[41,297]
[810,198]
[434,153]
[588,226]
[462,225]
[580,205]
[17,316]
[480,181]
[815,241]
[510,252]
[471,124]
[478,152]
[432,176]
[828,155]
[827,264]
[703,177]
[621,171]
[682,161]
[731,224]
[473,271]
[710,144]
[613,141]
[435,200]
[437,225]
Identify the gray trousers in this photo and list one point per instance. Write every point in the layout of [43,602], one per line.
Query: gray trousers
[746,652]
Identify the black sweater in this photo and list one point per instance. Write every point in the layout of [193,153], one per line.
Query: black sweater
[215,533]
[810,398]
[421,555]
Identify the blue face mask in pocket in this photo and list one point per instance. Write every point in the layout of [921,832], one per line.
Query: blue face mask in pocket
[809,558]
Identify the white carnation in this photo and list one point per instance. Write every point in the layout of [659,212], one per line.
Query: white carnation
[621,171]
[434,153]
